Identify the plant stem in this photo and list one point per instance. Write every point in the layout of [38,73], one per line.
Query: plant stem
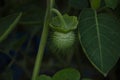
[11,27]
[43,40]
[60,16]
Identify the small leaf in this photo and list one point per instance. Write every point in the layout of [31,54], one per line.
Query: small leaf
[111,3]
[7,24]
[70,21]
[67,74]
[95,4]
[87,79]
[100,38]
[44,77]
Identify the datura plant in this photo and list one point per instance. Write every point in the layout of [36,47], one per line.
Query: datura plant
[98,33]
[62,37]
[97,30]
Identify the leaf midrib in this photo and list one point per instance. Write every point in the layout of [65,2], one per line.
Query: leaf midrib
[99,39]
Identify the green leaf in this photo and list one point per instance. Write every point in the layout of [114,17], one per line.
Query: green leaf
[95,4]
[7,24]
[70,21]
[87,79]
[100,38]
[67,74]
[111,3]
[44,77]
[79,4]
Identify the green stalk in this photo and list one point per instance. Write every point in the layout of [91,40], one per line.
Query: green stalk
[60,16]
[43,40]
[11,27]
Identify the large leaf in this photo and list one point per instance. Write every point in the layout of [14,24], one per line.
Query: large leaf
[100,38]
[7,24]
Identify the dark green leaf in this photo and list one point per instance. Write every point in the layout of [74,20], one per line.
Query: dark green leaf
[100,38]
[87,79]
[67,74]
[44,77]
[111,3]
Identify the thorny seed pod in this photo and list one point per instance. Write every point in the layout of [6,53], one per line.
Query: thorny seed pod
[63,37]
[62,42]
